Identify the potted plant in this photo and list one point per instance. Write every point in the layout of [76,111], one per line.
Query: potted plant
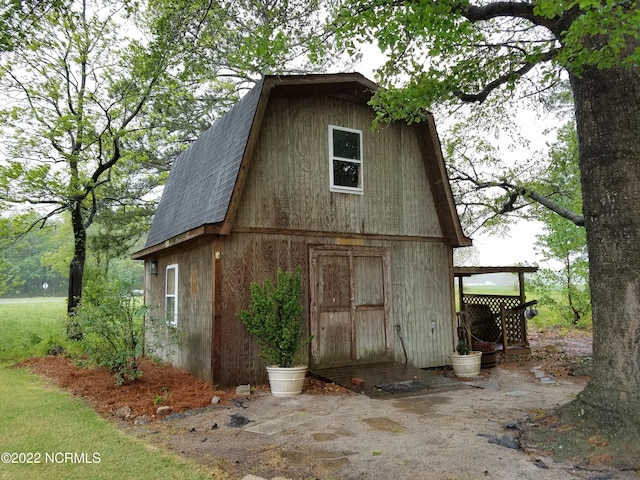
[275,318]
[465,362]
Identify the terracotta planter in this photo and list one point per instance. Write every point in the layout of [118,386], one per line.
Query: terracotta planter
[466,365]
[286,382]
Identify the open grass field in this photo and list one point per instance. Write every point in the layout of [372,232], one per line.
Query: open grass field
[29,326]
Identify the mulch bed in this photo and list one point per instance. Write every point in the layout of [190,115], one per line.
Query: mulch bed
[159,385]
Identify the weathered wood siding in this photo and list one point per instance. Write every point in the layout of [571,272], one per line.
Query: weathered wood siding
[420,284]
[246,258]
[285,208]
[422,301]
[193,352]
[286,200]
[288,183]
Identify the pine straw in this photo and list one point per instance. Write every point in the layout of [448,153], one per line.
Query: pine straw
[159,385]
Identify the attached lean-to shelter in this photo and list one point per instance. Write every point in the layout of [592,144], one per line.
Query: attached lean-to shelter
[293,177]
[498,319]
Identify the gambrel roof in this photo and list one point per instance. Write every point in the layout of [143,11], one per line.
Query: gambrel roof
[201,181]
[206,180]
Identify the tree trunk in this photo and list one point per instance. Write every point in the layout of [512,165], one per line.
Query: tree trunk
[607,104]
[76,267]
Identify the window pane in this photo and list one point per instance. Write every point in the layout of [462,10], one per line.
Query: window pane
[171,281]
[346,174]
[346,144]
[171,309]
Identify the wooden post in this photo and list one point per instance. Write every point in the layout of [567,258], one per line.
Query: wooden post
[523,319]
[503,320]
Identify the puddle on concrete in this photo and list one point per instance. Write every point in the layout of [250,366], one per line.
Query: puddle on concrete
[420,405]
[385,424]
[321,463]
[343,432]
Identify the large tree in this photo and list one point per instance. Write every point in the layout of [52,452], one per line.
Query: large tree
[76,91]
[472,51]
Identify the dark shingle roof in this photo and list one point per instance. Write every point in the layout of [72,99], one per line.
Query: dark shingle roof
[203,177]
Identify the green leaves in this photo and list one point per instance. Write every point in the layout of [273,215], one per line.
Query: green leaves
[598,32]
[442,52]
[274,317]
[111,322]
[241,40]
[565,286]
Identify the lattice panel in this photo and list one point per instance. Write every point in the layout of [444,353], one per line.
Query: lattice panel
[484,314]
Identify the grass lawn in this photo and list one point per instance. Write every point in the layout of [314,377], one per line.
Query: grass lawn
[71,441]
[42,424]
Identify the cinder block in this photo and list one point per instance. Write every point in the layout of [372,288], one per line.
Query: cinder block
[243,390]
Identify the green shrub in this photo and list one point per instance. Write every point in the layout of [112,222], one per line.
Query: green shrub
[274,317]
[109,326]
[463,348]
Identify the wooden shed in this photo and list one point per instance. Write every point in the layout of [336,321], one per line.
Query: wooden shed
[294,177]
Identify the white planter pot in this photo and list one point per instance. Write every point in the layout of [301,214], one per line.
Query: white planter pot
[466,365]
[286,382]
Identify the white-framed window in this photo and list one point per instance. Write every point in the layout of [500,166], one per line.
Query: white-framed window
[171,294]
[345,160]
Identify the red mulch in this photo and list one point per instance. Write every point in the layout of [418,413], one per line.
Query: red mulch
[160,384]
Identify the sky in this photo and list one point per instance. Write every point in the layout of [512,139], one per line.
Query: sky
[517,247]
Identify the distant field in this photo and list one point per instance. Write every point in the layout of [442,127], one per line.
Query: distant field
[36,300]
[29,326]
[491,289]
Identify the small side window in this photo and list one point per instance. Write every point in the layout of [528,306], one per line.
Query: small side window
[345,158]
[171,295]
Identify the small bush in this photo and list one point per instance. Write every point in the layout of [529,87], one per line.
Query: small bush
[463,348]
[111,321]
[275,318]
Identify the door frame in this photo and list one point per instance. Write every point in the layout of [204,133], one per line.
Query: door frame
[316,251]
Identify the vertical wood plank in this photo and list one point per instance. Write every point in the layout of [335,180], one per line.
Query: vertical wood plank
[216,328]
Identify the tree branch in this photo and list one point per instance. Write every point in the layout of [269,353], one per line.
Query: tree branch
[515,192]
[574,217]
[524,10]
[482,95]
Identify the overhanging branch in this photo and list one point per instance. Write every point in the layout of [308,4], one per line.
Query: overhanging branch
[574,217]
[524,10]
[482,95]
[515,192]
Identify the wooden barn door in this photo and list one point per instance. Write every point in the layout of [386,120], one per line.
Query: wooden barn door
[350,309]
